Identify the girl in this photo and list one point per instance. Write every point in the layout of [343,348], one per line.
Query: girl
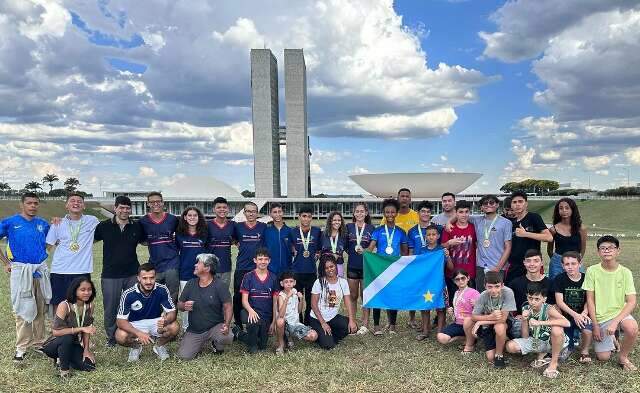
[358,239]
[334,239]
[463,301]
[72,327]
[191,238]
[568,234]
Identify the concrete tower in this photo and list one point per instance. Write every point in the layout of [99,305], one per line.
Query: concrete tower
[265,112]
[295,86]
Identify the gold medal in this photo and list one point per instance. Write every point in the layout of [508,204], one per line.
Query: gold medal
[75,247]
[306,253]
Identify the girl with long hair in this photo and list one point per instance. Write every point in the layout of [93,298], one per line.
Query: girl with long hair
[568,234]
[334,239]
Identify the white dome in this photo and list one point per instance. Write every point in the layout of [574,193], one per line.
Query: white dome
[422,185]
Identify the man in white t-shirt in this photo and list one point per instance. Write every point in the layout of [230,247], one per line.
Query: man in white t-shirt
[73,256]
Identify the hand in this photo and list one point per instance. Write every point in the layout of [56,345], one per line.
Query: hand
[326,328]
[161,323]
[496,269]
[456,241]
[580,320]
[448,227]
[253,316]
[144,338]
[272,328]
[525,314]
[7,267]
[446,253]
[188,305]
[611,329]
[534,322]
[449,311]
[597,333]
[56,220]
[520,231]
[88,329]
[300,296]
[224,330]
[88,355]
[352,327]
[497,315]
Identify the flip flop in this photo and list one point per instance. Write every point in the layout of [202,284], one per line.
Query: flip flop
[538,363]
[378,333]
[551,374]
[628,366]
[466,351]
[422,336]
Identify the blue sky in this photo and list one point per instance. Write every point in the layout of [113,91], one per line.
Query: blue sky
[146,95]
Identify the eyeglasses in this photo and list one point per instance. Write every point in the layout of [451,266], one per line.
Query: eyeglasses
[489,203]
[155,202]
[462,278]
[605,249]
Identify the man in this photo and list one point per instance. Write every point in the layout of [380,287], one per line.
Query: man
[146,315]
[528,231]
[277,237]
[220,238]
[29,284]
[208,301]
[448,209]
[121,236]
[159,230]
[73,238]
[250,237]
[407,218]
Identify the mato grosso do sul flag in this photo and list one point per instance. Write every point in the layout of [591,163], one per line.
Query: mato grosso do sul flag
[413,282]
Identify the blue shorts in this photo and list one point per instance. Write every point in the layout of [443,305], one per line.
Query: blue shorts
[453,330]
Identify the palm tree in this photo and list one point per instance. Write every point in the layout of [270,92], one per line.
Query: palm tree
[50,178]
[33,186]
[4,187]
[71,184]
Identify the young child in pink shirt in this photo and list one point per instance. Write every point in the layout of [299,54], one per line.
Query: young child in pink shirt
[463,302]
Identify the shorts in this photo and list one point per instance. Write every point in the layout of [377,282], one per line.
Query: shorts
[488,336]
[606,345]
[149,326]
[453,330]
[526,345]
[59,285]
[355,274]
[297,330]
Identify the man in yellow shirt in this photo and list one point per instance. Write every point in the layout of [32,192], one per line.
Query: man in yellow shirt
[407,217]
[611,298]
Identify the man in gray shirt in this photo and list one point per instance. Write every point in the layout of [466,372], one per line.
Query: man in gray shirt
[208,302]
[448,209]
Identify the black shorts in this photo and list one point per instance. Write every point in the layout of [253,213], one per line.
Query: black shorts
[488,336]
[453,330]
[355,274]
[59,285]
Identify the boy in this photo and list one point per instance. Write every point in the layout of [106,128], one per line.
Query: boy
[532,264]
[542,330]
[461,242]
[611,297]
[277,239]
[490,314]
[430,241]
[259,289]
[290,306]
[572,300]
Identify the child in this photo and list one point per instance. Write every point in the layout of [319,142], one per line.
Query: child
[290,306]
[571,299]
[463,302]
[461,242]
[542,330]
[259,291]
[432,234]
[490,314]
[611,297]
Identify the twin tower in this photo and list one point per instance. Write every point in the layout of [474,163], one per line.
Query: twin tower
[268,134]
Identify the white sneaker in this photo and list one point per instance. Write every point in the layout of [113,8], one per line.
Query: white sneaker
[362,331]
[161,351]
[134,354]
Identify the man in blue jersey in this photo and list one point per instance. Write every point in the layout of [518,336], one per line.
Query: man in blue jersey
[146,316]
[277,237]
[250,237]
[221,232]
[305,242]
[29,283]
[159,228]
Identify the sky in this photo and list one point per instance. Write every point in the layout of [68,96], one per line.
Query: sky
[146,94]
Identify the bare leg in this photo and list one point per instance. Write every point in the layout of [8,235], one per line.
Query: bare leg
[469,339]
[501,337]
[280,332]
[630,329]
[557,340]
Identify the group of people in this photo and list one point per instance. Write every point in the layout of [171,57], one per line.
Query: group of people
[291,281]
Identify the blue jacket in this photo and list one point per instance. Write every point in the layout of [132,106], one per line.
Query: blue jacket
[279,244]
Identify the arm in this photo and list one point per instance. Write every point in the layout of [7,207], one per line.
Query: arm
[505,256]
[491,319]
[544,236]
[591,307]
[550,249]
[583,241]
[352,320]
[5,260]
[372,246]
[448,260]
[282,305]
[629,306]
[227,310]
[274,314]
[555,319]
[404,249]
[253,315]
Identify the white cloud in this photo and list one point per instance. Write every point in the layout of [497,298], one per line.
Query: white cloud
[242,34]
[145,171]
[602,172]
[633,155]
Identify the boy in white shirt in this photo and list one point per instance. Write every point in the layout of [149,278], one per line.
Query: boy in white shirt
[290,304]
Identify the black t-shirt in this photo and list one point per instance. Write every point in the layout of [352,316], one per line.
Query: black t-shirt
[532,222]
[519,288]
[207,304]
[119,257]
[572,293]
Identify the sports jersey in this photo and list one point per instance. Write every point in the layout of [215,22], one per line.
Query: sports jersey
[27,238]
[249,240]
[463,255]
[261,292]
[355,259]
[136,306]
[302,264]
[220,239]
[341,245]
[163,251]
[405,221]
[414,236]
[278,242]
[380,236]
[189,246]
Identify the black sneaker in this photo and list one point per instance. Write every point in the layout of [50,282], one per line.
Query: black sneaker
[18,358]
[499,362]
[111,344]
[253,350]
[39,351]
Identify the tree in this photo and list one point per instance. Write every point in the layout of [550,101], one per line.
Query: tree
[71,184]
[4,187]
[33,186]
[248,194]
[50,178]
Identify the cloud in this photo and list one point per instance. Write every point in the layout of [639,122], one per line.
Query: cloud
[633,155]
[145,171]
[593,163]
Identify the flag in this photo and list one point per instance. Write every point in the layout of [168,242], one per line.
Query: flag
[413,282]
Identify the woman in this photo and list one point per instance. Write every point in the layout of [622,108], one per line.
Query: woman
[71,329]
[326,296]
[568,234]
[191,238]
[334,239]
[358,239]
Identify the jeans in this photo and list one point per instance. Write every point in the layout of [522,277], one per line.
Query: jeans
[238,275]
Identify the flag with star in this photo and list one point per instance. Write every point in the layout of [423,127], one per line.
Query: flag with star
[413,282]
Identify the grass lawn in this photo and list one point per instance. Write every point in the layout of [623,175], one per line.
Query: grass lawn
[359,364]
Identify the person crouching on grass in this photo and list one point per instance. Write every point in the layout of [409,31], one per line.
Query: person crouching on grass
[290,306]
[542,330]
[463,302]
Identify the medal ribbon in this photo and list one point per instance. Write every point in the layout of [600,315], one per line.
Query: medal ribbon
[80,322]
[423,240]
[359,234]
[487,231]
[305,241]
[389,238]
[75,231]
[334,245]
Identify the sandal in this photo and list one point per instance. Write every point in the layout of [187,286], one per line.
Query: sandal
[422,336]
[362,331]
[551,374]
[280,351]
[584,358]
[413,325]
[466,351]
[628,366]
[538,363]
[378,332]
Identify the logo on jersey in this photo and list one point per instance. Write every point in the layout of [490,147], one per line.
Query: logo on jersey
[136,306]
[40,228]
[17,226]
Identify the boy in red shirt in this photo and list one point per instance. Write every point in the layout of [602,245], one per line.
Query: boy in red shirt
[461,242]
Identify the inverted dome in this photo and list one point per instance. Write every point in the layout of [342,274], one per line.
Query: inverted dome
[422,185]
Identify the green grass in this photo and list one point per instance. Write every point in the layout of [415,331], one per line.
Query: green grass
[359,364]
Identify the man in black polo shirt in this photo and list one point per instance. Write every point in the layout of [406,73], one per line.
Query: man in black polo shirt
[121,236]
